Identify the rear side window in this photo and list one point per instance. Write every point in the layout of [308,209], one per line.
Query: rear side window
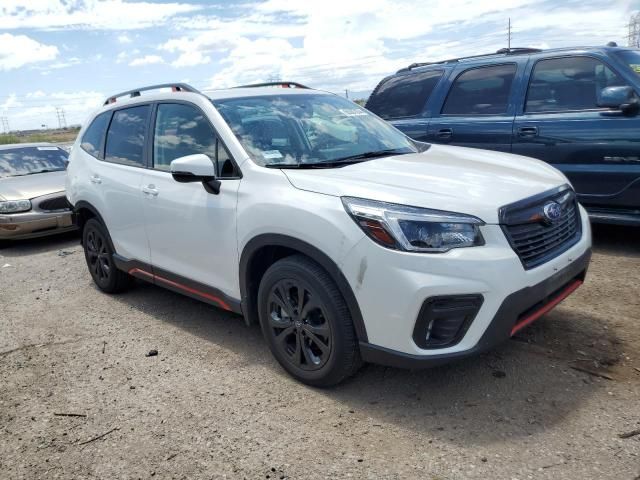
[126,136]
[92,138]
[569,83]
[481,91]
[403,96]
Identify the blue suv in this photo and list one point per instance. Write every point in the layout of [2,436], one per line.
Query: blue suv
[575,108]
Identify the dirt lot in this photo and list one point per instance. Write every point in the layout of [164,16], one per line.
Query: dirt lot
[214,404]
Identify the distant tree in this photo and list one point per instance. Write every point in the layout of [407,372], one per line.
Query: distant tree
[361,101]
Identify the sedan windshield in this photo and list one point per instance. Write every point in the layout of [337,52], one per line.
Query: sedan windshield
[309,130]
[20,161]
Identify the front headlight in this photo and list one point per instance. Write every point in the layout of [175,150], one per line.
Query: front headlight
[414,229]
[15,206]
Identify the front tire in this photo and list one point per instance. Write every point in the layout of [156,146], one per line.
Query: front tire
[99,256]
[307,323]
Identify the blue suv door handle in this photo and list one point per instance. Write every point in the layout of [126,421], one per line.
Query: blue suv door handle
[528,131]
[445,133]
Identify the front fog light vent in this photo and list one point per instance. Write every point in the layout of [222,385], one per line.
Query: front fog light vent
[443,321]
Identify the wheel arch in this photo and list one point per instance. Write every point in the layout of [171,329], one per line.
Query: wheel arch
[85,211]
[263,250]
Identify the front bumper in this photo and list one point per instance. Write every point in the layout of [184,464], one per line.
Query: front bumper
[31,224]
[517,311]
[391,288]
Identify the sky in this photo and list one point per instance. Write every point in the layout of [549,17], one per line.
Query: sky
[72,54]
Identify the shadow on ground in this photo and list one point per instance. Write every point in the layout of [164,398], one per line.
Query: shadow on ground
[33,246]
[616,240]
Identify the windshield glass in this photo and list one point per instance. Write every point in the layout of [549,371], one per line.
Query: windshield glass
[31,160]
[309,129]
[631,58]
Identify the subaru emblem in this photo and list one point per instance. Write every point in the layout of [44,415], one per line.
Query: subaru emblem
[552,211]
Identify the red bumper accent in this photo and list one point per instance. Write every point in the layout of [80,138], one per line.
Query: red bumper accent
[533,316]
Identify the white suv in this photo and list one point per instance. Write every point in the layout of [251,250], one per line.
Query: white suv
[343,238]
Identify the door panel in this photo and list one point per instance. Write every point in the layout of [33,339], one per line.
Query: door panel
[598,150]
[192,233]
[478,110]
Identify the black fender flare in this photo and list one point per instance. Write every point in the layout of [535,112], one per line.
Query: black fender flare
[279,240]
[82,204]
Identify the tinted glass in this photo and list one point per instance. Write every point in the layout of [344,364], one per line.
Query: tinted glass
[307,128]
[631,58]
[571,83]
[481,91]
[20,161]
[403,96]
[125,138]
[181,130]
[92,138]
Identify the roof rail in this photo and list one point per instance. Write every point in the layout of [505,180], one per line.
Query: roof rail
[502,51]
[176,87]
[274,84]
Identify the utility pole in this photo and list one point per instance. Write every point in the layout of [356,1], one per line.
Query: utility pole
[633,40]
[62,122]
[346,93]
[5,124]
[509,35]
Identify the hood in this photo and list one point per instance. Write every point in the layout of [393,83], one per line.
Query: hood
[455,179]
[31,186]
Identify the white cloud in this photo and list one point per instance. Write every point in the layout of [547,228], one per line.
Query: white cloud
[39,108]
[124,39]
[89,14]
[19,50]
[146,60]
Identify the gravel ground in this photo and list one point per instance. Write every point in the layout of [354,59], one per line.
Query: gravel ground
[214,404]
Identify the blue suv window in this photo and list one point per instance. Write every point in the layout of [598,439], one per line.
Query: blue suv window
[568,83]
[403,96]
[481,91]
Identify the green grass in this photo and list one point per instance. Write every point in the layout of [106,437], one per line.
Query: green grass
[46,136]
[5,139]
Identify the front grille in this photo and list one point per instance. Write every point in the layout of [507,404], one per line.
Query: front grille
[56,203]
[532,235]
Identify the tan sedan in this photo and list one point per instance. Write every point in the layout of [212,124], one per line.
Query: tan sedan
[32,197]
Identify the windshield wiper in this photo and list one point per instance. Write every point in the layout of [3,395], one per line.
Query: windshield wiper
[46,170]
[339,162]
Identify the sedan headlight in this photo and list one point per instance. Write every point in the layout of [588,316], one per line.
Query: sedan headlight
[15,206]
[414,229]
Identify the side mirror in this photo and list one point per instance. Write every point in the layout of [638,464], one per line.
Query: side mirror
[196,168]
[621,98]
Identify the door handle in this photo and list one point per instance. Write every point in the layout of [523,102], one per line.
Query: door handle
[95,179]
[445,133]
[150,190]
[528,131]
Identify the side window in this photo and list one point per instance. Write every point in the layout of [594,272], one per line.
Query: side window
[126,136]
[481,91]
[403,96]
[569,83]
[92,138]
[182,130]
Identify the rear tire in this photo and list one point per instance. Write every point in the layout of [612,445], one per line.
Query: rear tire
[99,256]
[307,323]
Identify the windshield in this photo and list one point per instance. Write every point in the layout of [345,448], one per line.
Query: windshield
[31,160]
[631,58]
[313,129]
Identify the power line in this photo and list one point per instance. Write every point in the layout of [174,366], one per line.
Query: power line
[5,124]
[633,39]
[62,122]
